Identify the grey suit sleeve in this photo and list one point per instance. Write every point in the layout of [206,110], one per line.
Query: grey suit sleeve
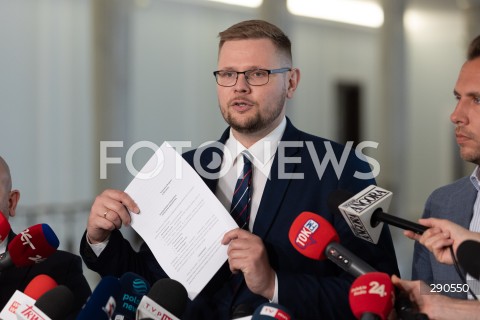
[421,267]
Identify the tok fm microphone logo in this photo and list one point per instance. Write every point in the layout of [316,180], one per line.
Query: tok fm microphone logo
[304,238]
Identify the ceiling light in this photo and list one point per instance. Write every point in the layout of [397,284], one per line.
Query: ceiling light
[362,13]
[243,3]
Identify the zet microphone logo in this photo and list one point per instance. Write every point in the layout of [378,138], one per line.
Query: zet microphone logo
[304,238]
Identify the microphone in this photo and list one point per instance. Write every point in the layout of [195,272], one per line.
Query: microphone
[268,311]
[101,304]
[241,311]
[365,212]
[315,238]
[4,227]
[57,303]
[467,257]
[39,286]
[405,309]
[371,296]
[133,288]
[32,245]
[167,299]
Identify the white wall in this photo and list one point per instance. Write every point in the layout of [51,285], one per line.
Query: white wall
[45,99]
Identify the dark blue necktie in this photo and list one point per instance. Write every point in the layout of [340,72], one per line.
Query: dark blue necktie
[240,209]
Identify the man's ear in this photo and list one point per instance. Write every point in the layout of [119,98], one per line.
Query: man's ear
[13,199]
[293,82]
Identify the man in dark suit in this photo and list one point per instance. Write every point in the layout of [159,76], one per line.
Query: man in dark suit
[64,267]
[255,78]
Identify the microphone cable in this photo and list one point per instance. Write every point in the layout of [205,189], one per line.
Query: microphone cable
[460,273]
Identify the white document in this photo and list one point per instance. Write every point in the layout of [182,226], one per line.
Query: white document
[180,219]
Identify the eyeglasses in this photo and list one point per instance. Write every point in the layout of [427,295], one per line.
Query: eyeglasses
[257,77]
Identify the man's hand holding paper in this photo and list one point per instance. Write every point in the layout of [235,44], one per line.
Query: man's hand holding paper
[180,219]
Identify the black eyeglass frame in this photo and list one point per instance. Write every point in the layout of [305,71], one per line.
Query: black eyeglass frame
[269,72]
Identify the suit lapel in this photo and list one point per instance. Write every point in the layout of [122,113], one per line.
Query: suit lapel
[276,186]
[463,200]
[210,158]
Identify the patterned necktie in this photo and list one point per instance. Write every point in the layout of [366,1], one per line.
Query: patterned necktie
[240,209]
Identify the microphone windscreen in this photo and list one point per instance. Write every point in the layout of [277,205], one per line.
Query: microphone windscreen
[268,311]
[39,285]
[102,303]
[242,310]
[56,303]
[133,288]
[310,234]
[4,227]
[33,245]
[171,295]
[467,257]
[372,293]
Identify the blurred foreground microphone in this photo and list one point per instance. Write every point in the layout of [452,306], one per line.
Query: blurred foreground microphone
[467,256]
[167,299]
[242,311]
[55,304]
[39,286]
[268,311]
[365,212]
[4,227]
[371,296]
[102,303]
[134,287]
[406,309]
[34,290]
[32,245]
[315,238]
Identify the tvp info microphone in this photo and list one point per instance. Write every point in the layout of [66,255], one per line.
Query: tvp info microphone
[268,311]
[167,299]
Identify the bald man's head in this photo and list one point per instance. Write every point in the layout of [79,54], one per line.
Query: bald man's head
[5,178]
[8,198]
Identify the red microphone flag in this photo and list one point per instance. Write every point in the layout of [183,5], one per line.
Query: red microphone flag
[39,285]
[4,227]
[33,245]
[372,293]
[310,234]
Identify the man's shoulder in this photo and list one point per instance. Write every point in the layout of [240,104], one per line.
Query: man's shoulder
[61,256]
[459,186]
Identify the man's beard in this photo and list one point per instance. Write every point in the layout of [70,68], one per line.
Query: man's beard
[257,122]
[473,157]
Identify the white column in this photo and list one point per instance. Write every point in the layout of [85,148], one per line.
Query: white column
[110,86]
